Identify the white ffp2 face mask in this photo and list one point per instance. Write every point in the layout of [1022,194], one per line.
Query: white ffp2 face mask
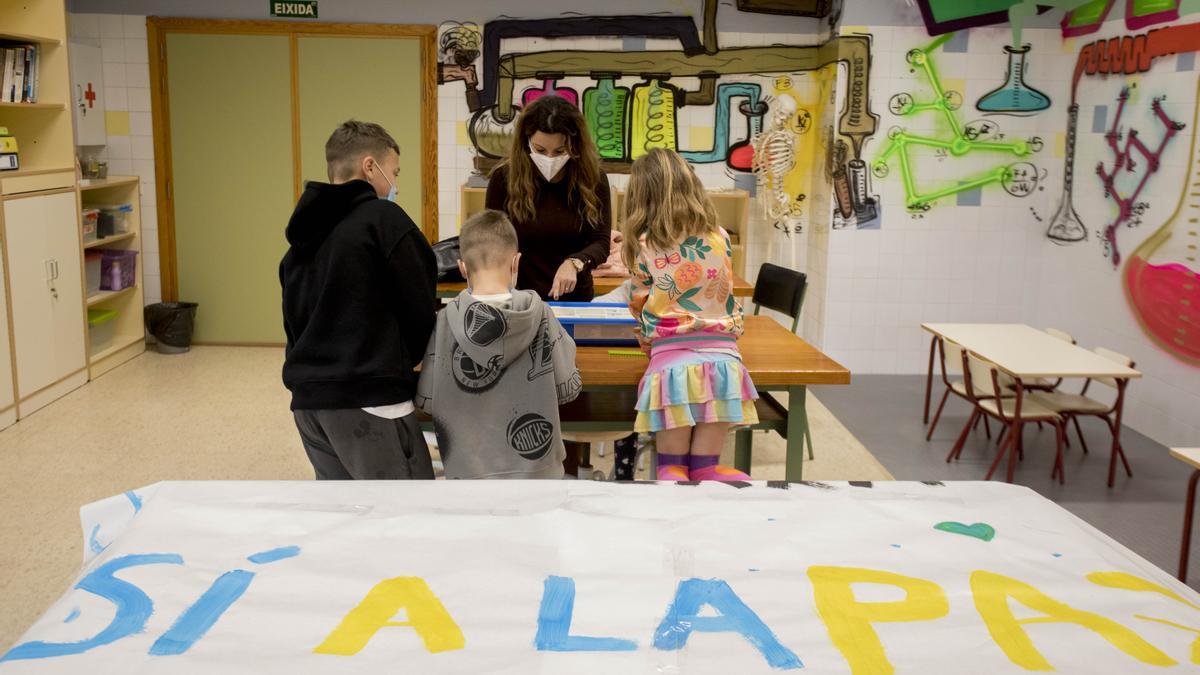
[548,166]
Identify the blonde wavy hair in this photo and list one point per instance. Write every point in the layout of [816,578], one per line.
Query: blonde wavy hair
[554,115]
[666,202]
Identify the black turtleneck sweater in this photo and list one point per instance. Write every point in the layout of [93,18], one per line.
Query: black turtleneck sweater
[359,286]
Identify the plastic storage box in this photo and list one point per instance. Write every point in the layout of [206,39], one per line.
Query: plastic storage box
[91,221]
[118,269]
[596,323]
[101,328]
[92,265]
[114,219]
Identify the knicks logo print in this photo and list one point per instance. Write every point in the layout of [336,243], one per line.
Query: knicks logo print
[530,435]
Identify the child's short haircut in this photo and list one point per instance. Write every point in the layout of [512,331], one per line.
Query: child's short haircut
[352,141]
[487,240]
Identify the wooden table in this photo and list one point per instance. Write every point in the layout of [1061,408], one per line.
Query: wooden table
[777,359]
[741,287]
[1188,456]
[1026,353]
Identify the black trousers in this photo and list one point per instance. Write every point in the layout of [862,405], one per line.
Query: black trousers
[354,444]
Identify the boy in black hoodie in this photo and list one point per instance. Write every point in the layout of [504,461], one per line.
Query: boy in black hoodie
[359,287]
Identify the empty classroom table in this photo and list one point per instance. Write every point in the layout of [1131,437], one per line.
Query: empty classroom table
[1026,353]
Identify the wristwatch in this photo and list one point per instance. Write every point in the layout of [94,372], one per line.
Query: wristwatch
[579,264]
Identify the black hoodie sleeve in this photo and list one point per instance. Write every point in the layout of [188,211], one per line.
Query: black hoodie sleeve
[414,269]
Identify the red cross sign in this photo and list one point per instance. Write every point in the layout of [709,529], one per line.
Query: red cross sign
[90,96]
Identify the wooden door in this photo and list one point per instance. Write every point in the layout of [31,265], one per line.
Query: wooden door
[383,86]
[242,110]
[46,293]
[232,182]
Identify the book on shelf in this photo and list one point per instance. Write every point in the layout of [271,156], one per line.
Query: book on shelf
[20,74]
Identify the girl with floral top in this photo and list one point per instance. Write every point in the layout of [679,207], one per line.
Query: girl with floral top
[695,388]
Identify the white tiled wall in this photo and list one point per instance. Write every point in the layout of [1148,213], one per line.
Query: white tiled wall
[993,262]
[122,39]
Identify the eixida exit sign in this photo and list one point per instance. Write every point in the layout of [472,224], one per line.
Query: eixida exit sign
[304,9]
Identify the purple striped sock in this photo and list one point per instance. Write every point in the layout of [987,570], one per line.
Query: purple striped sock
[696,462]
[669,460]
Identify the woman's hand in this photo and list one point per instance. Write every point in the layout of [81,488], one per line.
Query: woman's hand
[564,280]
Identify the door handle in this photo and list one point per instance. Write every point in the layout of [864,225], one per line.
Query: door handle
[49,272]
[55,261]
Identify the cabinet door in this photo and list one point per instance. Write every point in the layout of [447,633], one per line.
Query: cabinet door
[6,374]
[67,314]
[48,331]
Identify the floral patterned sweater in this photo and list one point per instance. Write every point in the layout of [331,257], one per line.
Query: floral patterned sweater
[687,289]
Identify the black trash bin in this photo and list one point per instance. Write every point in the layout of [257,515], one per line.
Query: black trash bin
[171,324]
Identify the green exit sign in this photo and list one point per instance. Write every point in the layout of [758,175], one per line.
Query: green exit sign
[304,9]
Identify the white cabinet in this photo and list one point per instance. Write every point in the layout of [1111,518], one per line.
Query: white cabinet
[87,94]
[46,291]
[7,393]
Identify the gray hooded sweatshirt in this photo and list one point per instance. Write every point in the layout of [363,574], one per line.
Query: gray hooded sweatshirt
[492,380]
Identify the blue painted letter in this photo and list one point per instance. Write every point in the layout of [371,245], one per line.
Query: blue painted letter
[683,617]
[197,619]
[554,623]
[133,608]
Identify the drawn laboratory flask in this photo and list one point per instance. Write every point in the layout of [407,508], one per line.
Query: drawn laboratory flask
[652,117]
[1065,226]
[604,109]
[1014,96]
[1162,277]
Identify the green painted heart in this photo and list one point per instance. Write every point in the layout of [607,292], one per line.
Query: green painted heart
[981,531]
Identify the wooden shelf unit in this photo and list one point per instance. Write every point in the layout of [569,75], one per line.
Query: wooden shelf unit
[129,335]
[109,241]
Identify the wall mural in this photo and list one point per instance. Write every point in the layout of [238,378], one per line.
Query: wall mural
[633,105]
[960,139]
[1159,278]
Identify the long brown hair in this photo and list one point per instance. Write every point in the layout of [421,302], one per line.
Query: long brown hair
[554,115]
[666,202]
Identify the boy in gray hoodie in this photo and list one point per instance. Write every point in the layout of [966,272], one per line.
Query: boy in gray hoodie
[498,366]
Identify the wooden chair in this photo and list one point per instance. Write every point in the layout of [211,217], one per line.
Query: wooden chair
[1010,411]
[782,289]
[1074,406]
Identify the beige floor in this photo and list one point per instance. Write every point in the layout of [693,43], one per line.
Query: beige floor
[215,413]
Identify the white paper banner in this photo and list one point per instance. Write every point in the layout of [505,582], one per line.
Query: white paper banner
[583,577]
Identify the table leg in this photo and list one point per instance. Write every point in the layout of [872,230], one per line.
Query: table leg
[743,448]
[1016,429]
[797,428]
[1188,509]
[1116,432]
[929,376]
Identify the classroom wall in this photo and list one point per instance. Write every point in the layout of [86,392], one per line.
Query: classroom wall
[984,254]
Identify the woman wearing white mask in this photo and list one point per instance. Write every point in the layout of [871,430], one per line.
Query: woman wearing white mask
[554,193]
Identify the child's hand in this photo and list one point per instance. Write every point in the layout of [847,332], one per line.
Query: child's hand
[564,280]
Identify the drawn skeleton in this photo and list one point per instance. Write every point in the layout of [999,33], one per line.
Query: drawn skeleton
[774,157]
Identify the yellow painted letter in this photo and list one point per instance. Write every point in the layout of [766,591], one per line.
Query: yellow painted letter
[992,592]
[849,621]
[426,615]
